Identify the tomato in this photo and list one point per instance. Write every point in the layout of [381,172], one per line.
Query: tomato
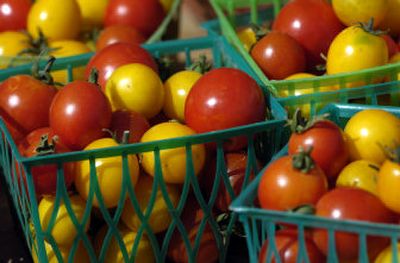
[386,255]
[92,12]
[166,4]
[329,152]
[116,55]
[346,203]
[275,47]
[63,231]
[387,184]
[248,37]
[12,43]
[80,255]
[124,120]
[118,34]
[355,49]
[351,12]
[173,161]
[136,87]
[390,21]
[285,185]
[145,16]
[224,98]
[24,104]
[45,176]
[287,244]
[177,88]
[109,173]
[368,131]
[160,217]
[395,59]
[13,14]
[391,44]
[361,174]
[312,23]
[54,21]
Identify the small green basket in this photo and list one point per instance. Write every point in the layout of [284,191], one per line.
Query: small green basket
[27,207]
[260,224]
[231,16]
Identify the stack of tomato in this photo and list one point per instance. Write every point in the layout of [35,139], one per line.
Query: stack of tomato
[349,174]
[46,27]
[123,92]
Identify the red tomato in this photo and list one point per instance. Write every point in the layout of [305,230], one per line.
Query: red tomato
[329,147]
[284,187]
[13,14]
[24,104]
[45,176]
[124,120]
[287,244]
[391,44]
[79,113]
[118,34]
[274,48]
[345,203]
[312,23]
[145,16]
[115,55]
[224,98]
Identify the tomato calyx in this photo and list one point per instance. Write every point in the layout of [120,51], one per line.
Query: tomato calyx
[299,124]
[43,75]
[94,76]
[202,65]
[306,209]
[46,147]
[369,28]
[390,153]
[259,31]
[302,160]
[223,220]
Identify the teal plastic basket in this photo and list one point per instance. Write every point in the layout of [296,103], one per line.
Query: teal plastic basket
[260,224]
[269,133]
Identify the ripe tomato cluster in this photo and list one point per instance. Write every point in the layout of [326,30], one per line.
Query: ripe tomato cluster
[349,174]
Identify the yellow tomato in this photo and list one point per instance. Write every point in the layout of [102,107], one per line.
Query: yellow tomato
[80,256]
[92,12]
[351,12]
[391,20]
[160,217]
[177,88]
[63,231]
[247,37]
[368,131]
[56,19]
[12,43]
[173,161]
[389,184]
[136,87]
[66,48]
[361,174]
[166,4]
[386,255]
[109,174]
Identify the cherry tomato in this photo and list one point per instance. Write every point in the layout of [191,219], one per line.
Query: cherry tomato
[173,161]
[79,113]
[118,34]
[283,186]
[160,217]
[312,23]
[24,104]
[124,120]
[54,21]
[224,98]
[386,255]
[275,47]
[92,12]
[391,20]
[387,185]
[247,36]
[287,244]
[346,203]
[13,14]
[109,174]
[329,147]
[80,256]
[135,87]
[11,44]
[145,16]
[368,131]
[116,55]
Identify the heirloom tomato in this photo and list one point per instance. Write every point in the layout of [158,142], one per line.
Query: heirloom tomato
[13,14]
[388,184]
[109,173]
[173,161]
[92,13]
[118,34]
[124,120]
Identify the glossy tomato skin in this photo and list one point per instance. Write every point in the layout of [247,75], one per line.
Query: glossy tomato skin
[115,55]
[13,14]
[224,98]
[274,48]
[119,34]
[388,183]
[312,23]
[145,16]
[346,203]
[283,187]
[125,120]
[329,147]
[24,104]
[287,244]
[79,113]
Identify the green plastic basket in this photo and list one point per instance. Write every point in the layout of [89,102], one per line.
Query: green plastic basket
[230,17]
[260,224]
[27,207]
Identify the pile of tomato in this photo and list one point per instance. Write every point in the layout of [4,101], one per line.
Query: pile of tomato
[341,174]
